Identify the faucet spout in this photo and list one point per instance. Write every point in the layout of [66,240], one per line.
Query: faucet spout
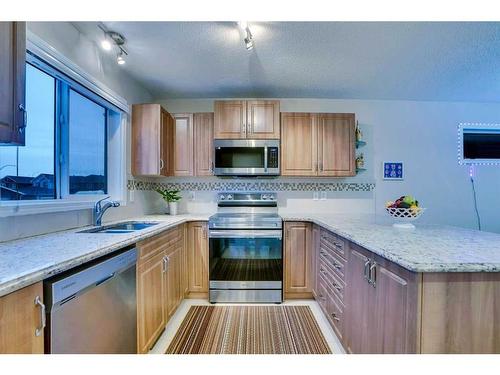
[100,209]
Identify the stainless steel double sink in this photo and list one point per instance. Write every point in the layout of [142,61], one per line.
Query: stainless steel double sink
[124,227]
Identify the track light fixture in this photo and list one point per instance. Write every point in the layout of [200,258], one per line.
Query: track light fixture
[111,39]
[120,58]
[248,39]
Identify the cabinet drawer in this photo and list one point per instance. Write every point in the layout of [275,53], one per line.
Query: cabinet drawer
[332,242]
[335,314]
[332,281]
[335,261]
[159,243]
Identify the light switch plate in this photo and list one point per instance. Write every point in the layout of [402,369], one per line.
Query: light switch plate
[131,195]
[315,196]
[323,196]
[192,196]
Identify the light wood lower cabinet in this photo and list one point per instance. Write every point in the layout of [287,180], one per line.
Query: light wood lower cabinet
[298,260]
[21,324]
[377,306]
[197,259]
[160,284]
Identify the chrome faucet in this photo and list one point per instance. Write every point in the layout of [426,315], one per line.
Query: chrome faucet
[99,210]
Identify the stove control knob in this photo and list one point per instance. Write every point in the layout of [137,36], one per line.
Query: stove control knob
[230,197]
[271,197]
[222,197]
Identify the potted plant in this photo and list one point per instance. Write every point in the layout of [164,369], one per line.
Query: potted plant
[171,197]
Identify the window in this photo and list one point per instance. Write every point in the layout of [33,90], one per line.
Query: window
[27,172]
[67,142]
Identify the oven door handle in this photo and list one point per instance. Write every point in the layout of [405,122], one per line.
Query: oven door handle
[278,234]
[265,159]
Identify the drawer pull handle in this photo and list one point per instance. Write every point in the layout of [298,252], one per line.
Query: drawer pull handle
[334,317]
[321,297]
[337,266]
[337,244]
[38,302]
[337,287]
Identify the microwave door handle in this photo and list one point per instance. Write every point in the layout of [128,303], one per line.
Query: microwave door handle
[265,158]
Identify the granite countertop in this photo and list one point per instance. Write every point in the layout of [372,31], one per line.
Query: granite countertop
[27,261]
[427,248]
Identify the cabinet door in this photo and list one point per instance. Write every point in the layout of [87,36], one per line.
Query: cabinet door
[152,141]
[263,119]
[198,257]
[203,143]
[174,281]
[336,151]
[298,260]
[230,119]
[395,309]
[151,302]
[316,238]
[20,317]
[183,155]
[167,160]
[298,144]
[12,83]
[360,299]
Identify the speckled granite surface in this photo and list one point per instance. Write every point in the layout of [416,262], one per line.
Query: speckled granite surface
[425,249]
[26,261]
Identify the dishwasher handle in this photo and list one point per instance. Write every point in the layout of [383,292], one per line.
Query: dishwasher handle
[105,279]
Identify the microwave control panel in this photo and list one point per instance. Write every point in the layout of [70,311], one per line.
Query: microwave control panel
[272,157]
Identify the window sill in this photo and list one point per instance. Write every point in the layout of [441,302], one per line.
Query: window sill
[19,208]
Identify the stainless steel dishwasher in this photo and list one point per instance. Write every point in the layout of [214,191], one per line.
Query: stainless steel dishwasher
[93,309]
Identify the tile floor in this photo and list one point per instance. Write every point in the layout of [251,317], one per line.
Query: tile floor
[174,324]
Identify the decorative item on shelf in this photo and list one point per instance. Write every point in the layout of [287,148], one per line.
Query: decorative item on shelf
[360,162]
[359,134]
[172,198]
[403,210]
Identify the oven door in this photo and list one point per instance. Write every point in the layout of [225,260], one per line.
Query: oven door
[246,259]
[246,157]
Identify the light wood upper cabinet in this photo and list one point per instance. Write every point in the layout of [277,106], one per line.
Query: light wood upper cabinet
[246,119]
[263,119]
[317,144]
[203,143]
[299,156]
[198,257]
[298,260]
[183,139]
[336,149]
[13,119]
[230,118]
[21,329]
[152,141]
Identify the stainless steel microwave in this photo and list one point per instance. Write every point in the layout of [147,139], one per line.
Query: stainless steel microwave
[246,157]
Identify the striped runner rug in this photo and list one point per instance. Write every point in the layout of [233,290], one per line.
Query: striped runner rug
[249,330]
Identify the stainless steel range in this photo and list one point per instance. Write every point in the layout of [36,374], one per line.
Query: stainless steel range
[246,250]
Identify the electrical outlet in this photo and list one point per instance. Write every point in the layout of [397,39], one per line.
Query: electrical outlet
[315,196]
[131,195]
[323,195]
[192,196]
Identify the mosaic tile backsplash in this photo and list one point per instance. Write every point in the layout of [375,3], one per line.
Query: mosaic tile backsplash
[251,186]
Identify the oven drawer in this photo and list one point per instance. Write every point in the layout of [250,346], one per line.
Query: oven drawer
[218,284]
[242,296]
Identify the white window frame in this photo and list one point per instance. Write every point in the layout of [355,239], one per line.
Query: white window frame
[116,140]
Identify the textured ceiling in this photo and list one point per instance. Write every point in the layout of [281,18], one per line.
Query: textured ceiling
[445,61]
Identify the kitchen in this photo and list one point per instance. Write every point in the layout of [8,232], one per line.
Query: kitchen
[202,209]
